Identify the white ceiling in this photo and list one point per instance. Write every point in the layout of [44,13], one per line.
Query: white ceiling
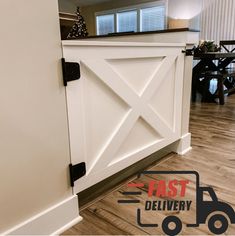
[88,2]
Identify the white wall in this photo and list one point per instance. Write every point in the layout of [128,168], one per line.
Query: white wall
[187,10]
[67,6]
[184,9]
[34,146]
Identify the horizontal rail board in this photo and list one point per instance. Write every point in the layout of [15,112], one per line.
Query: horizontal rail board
[119,44]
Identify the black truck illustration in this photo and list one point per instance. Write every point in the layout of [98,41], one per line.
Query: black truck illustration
[218,215]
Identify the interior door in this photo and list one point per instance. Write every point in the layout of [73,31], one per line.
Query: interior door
[125,106]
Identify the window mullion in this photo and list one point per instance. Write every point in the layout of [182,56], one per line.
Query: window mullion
[138,21]
[115,22]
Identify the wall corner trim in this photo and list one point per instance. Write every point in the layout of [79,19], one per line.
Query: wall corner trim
[53,221]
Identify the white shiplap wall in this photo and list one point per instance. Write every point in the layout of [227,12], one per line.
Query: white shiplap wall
[218,20]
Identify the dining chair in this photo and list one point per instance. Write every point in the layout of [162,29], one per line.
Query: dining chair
[221,77]
[229,47]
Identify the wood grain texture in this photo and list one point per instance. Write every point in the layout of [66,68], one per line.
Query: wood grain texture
[213,156]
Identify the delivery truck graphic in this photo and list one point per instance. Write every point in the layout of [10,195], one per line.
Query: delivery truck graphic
[216,214]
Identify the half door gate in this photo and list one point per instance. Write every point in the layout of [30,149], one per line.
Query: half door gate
[126,105]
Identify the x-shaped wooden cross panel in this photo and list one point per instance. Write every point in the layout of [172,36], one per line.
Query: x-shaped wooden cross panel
[138,105]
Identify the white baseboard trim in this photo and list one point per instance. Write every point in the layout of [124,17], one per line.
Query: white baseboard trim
[68,226]
[185,151]
[53,221]
[183,145]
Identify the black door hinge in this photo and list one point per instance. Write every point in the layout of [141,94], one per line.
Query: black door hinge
[71,71]
[76,172]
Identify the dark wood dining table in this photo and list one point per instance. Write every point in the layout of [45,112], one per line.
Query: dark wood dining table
[209,61]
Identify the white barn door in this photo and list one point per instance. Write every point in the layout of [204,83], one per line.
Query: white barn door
[126,105]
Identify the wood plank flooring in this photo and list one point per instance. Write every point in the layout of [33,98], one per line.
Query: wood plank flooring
[213,156]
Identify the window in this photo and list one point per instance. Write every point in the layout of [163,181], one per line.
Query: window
[127,21]
[153,18]
[105,24]
[144,17]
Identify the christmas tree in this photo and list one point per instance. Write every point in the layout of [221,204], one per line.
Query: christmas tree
[79,29]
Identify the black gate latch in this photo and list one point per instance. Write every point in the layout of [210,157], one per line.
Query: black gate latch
[71,71]
[189,52]
[76,172]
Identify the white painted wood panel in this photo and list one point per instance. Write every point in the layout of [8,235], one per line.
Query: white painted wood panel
[126,106]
